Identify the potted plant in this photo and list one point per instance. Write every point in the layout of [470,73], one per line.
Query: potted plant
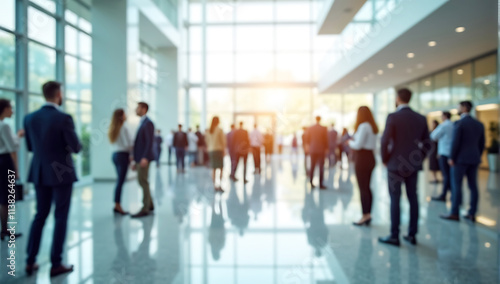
[494,148]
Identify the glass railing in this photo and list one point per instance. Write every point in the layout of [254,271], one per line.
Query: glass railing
[170,9]
[374,16]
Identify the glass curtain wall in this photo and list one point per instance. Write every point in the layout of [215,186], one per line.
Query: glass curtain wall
[247,57]
[43,40]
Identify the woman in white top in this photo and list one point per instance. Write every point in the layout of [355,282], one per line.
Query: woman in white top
[9,144]
[121,141]
[363,143]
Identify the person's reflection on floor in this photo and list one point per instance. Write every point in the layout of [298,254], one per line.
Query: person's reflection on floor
[256,198]
[317,232]
[122,260]
[295,168]
[217,230]
[471,256]
[269,187]
[180,202]
[346,187]
[394,266]
[159,191]
[143,265]
[237,211]
[363,261]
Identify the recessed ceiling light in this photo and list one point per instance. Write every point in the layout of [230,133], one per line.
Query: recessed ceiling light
[420,66]
[427,83]
[460,71]
[390,65]
[356,84]
[410,55]
[486,82]
[460,29]
[365,79]
[432,43]
[380,72]
[409,70]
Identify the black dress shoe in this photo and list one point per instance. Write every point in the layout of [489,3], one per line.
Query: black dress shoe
[245,181]
[7,235]
[411,239]
[450,217]
[470,218]
[322,187]
[363,223]
[219,189]
[30,268]
[54,271]
[438,198]
[312,185]
[389,240]
[140,214]
[121,212]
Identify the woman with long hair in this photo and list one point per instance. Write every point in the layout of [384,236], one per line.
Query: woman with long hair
[216,144]
[364,142]
[9,144]
[122,144]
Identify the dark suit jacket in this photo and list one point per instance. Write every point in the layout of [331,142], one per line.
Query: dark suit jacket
[405,142]
[317,137]
[468,140]
[51,136]
[332,138]
[180,140]
[144,141]
[241,141]
[229,142]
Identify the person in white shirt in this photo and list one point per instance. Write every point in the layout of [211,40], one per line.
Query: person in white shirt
[443,134]
[121,143]
[256,142]
[9,144]
[364,142]
[192,146]
[170,145]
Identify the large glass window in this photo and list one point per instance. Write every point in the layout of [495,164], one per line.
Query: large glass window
[485,77]
[42,66]
[426,95]
[442,92]
[8,58]
[41,27]
[461,83]
[7,20]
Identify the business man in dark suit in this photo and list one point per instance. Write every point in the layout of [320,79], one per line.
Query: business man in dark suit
[51,136]
[332,146]
[180,143]
[241,144]
[405,144]
[144,153]
[466,150]
[318,147]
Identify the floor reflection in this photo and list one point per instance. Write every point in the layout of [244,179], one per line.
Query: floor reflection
[272,230]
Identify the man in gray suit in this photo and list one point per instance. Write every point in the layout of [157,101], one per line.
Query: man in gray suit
[332,146]
[318,147]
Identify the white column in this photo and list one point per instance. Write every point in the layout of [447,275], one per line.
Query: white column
[168,90]
[109,78]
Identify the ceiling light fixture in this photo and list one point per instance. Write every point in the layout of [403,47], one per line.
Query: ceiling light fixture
[427,83]
[380,72]
[460,29]
[460,71]
[390,65]
[410,55]
[486,82]
[356,84]
[432,43]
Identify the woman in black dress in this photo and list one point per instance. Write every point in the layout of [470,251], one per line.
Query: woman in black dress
[433,156]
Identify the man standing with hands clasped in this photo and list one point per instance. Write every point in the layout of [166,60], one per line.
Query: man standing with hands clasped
[143,155]
[466,149]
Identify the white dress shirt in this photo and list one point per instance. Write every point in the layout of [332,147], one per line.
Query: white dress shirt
[444,135]
[124,142]
[364,138]
[9,142]
[256,138]
[192,142]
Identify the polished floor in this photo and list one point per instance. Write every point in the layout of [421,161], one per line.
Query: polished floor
[273,230]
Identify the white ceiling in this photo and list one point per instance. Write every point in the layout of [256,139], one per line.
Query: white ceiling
[479,17]
[151,35]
